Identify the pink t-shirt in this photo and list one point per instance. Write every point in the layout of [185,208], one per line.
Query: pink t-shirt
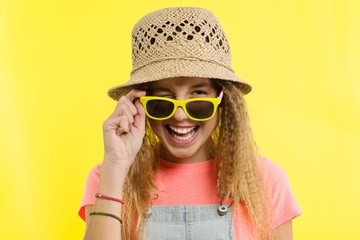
[195,184]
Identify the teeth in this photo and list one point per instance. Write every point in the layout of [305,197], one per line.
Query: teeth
[182,134]
[181,130]
[185,138]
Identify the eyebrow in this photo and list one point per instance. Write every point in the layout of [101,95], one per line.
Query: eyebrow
[200,85]
[159,89]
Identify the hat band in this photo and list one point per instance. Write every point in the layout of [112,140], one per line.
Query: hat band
[182,58]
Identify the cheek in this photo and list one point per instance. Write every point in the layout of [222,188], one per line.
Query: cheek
[215,124]
[156,126]
[211,125]
[216,119]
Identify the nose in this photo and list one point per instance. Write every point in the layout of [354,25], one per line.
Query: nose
[179,114]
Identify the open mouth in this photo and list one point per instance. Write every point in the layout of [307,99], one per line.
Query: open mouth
[183,133]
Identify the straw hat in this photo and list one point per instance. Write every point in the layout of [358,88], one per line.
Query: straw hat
[179,42]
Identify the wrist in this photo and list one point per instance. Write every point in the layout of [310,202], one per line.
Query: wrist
[112,178]
[117,163]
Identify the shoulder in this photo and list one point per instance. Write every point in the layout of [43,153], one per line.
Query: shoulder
[274,177]
[283,202]
[272,173]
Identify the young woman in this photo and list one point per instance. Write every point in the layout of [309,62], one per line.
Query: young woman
[180,160]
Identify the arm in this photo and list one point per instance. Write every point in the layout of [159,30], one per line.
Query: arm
[283,232]
[123,134]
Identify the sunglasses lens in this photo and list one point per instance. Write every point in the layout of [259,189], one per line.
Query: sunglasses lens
[200,109]
[159,108]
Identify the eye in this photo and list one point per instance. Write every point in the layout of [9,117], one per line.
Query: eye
[161,93]
[199,93]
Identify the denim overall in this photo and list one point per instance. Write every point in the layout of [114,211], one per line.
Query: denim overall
[188,223]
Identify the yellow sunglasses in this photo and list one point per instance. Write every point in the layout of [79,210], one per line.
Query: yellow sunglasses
[197,109]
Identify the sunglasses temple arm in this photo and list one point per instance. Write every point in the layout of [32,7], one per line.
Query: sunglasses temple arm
[221,95]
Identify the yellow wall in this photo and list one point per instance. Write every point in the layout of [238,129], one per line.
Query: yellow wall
[58,58]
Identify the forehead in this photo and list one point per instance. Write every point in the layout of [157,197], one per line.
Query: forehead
[189,82]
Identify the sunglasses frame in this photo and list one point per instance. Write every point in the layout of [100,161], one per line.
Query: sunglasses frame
[182,103]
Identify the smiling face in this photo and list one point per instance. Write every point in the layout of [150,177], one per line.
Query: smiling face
[184,140]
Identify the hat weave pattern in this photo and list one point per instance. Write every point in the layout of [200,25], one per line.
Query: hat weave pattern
[179,42]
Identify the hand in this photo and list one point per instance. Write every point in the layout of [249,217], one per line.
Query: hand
[124,130]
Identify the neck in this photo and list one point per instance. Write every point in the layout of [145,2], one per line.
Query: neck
[200,156]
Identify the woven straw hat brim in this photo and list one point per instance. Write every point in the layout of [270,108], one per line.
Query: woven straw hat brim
[171,68]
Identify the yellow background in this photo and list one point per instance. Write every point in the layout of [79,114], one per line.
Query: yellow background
[58,58]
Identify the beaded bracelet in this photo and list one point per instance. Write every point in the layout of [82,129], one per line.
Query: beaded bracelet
[99,195]
[106,214]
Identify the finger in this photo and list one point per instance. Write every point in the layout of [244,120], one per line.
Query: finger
[126,109]
[130,107]
[125,104]
[134,94]
[122,125]
[139,119]
[118,124]
[121,130]
[119,103]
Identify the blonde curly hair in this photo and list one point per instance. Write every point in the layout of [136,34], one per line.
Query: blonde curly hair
[238,169]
